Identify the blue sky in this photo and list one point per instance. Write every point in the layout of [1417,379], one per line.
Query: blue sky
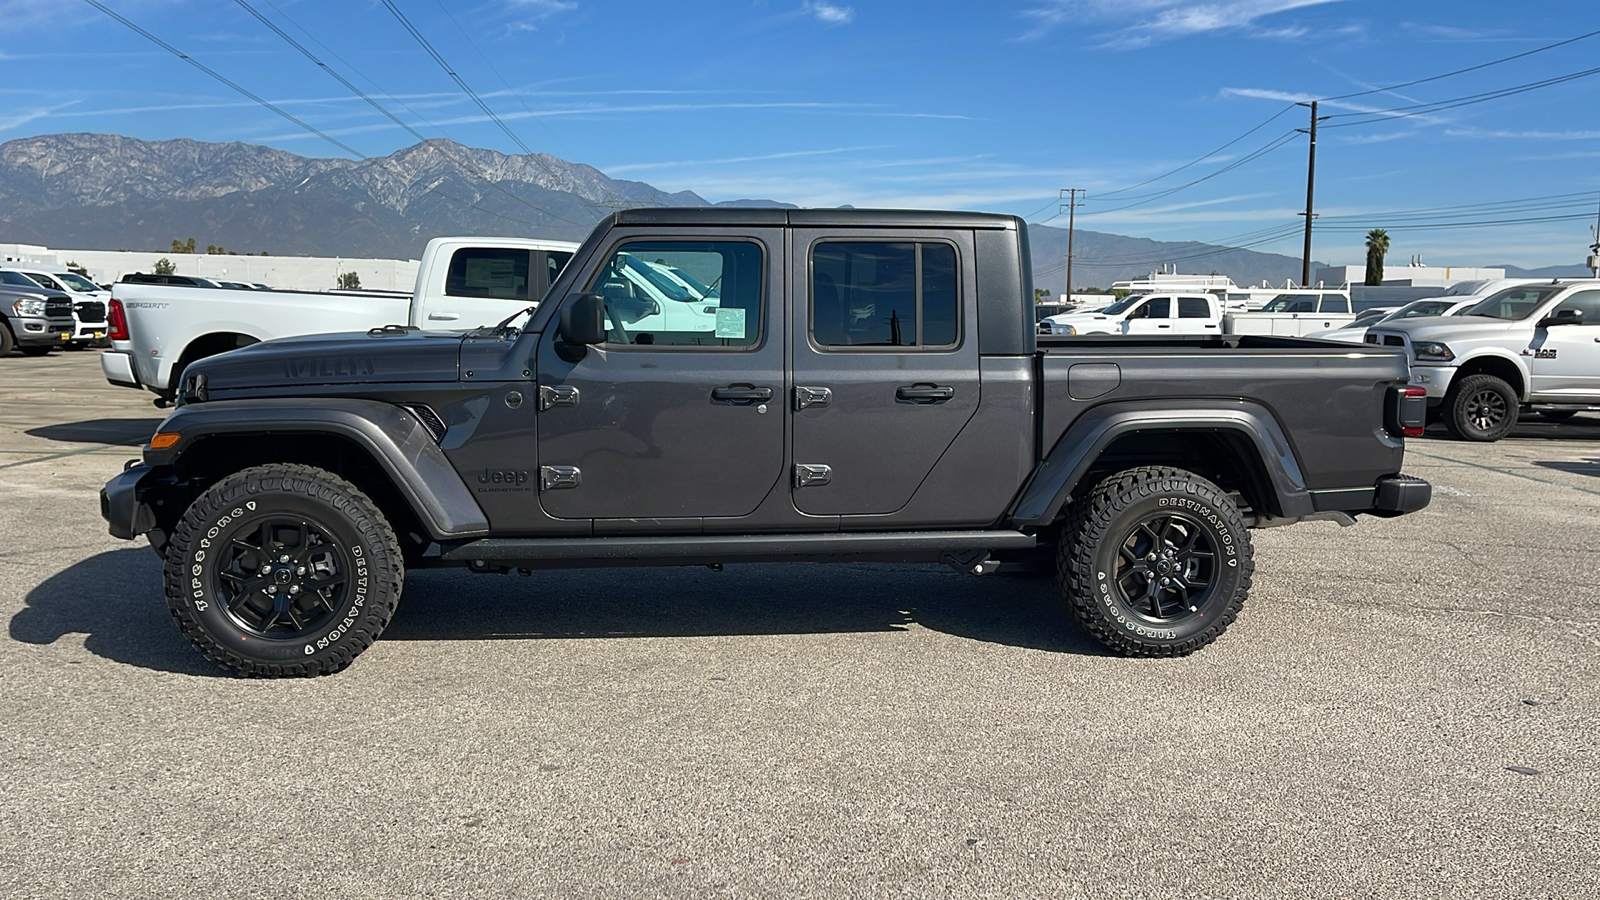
[992,106]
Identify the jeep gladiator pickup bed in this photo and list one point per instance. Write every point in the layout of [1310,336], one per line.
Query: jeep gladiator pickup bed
[864,385]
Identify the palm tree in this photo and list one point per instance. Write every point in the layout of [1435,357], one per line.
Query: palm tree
[1377,248]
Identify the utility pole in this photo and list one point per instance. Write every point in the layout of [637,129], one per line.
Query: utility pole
[1594,248]
[1311,183]
[1071,195]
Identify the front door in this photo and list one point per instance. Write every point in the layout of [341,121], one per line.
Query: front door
[680,413]
[885,364]
[1154,316]
[1565,363]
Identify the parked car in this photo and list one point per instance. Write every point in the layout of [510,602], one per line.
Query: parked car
[463,282]
[88,305]
[1356,331]
[1156,314]
[1529,347]
[33,319]
[870,389]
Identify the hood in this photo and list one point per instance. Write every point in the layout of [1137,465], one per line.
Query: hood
[333,359]
[1446,328]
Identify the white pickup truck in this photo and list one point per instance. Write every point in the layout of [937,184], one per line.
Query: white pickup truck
[1530,347]
[1159,313]
[1293,314]
[157,330]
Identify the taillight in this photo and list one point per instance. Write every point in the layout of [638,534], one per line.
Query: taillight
[1413,399]
[118,322]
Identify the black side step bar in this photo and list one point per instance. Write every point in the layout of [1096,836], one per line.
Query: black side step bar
[914,546]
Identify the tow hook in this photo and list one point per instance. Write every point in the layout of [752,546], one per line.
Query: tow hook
[971,562]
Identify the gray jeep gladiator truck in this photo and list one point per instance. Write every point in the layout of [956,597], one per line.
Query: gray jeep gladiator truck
[840,385]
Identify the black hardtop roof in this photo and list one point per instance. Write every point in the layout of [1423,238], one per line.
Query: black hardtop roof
[813,218]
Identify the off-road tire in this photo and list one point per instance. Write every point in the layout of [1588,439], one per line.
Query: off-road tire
[1094,572]
[1481,408]
[7,341]
[36,349]
[212,561]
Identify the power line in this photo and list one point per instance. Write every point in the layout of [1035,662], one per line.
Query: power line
[1492,62]
[1421,109]
[383,110]
[1200,159]
[1254,155]
[297,121]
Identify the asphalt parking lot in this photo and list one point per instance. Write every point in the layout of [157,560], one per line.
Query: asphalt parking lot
[1406,708]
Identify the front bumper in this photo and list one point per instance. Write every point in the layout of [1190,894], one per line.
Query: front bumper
[117,366]
[89,332]
[1433,379]
[125,515]
[33,331]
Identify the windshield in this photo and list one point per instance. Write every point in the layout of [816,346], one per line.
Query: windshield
[672,288]
[78,282]
[44,281]
[1292,303]
[1368,317]
[1515,304]
[1423,308]
[18,278]
[1465,288]
[1125,304]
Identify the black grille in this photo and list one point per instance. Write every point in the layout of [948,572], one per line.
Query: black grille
[57,306]
[429,419]
[90,311]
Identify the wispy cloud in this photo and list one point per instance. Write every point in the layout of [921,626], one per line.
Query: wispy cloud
[1140,23]
[1293,97]
[729,160]
[1524,135]
[829,13]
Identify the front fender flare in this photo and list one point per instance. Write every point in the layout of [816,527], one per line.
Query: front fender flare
[1064,468]
[393,437]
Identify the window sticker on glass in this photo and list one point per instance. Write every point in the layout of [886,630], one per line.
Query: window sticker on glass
[730,324]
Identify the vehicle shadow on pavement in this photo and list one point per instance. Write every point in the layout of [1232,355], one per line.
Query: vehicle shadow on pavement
[115,600]
[1590,467]
[1582,427]
[126,432]
[742,600]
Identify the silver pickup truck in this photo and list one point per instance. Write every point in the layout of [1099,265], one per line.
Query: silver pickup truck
[1529,347]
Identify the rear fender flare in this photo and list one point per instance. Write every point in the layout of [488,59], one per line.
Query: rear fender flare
[1064,467]
[394,439]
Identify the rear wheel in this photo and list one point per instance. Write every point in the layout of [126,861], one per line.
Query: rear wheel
[1155,562]
[1481,408]
[283,570]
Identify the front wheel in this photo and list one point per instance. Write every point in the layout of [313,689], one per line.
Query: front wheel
[283,570]
[1481,408]
[1155,562]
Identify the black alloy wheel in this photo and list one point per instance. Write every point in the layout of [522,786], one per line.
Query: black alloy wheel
[1155,561]
[1166,567]
[1481,408]
[285,579]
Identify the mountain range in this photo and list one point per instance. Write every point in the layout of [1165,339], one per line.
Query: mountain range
[97,191]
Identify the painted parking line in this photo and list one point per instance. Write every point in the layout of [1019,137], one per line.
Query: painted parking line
[98,448]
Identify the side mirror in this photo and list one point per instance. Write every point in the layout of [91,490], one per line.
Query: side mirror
[1562,317]
[583,321]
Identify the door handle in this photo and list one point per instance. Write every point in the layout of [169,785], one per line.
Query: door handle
[1163,326]
[444,316]
[924,393]
[741,393]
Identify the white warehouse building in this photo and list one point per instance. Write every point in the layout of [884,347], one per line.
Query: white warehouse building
[1408,276]
[294,273]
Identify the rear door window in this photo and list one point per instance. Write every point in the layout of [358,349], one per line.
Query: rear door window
[884,294]
[1193,308]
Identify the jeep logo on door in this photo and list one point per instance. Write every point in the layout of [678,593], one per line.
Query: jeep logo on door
[328,367]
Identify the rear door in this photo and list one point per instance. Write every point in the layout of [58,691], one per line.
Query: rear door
[885,362]
[1197,315]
